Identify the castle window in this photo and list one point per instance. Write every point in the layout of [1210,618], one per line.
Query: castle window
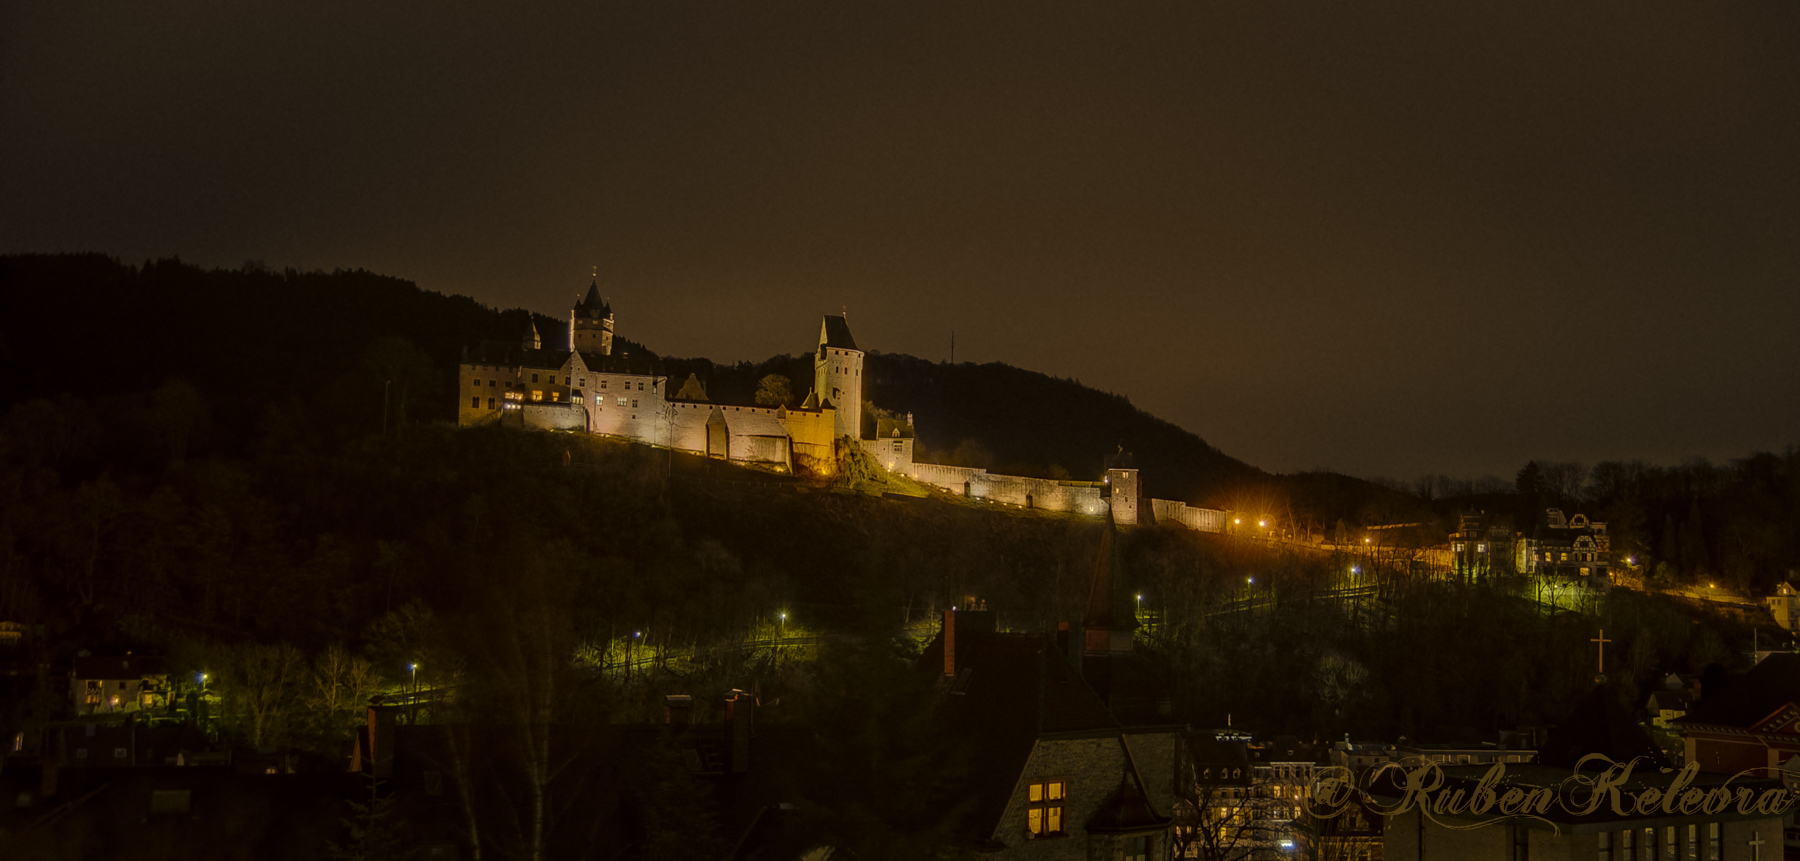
[603,384]
[490,384]
[634,403]
[565,381]
[1137,848]
[475,402]
[556,396]
[534,378]
[640,385]
[624,401]
[478,384]
[537,394]
[490,403]
[1044,815]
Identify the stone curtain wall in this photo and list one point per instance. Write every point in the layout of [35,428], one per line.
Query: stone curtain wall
[546,415]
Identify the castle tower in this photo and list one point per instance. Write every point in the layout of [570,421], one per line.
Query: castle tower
[837,374]
[591,323]
[530,340]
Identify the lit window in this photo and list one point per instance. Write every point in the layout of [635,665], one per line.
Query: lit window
[537,394]
[1044,815]
[556,396]
[624,401]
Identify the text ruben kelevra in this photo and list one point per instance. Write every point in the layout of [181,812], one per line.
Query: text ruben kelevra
[1393,789]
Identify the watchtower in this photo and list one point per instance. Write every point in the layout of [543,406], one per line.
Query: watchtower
[837,374]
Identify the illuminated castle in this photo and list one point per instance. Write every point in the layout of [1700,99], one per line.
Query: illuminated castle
[585,387]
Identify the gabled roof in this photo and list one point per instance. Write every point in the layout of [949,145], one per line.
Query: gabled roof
[1011,690]
[122,668]
[835,332]
[1763,692]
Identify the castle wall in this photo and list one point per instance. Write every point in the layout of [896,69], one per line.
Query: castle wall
[687,430]
[814,438]
[894,453]
[955,479]
[553,416]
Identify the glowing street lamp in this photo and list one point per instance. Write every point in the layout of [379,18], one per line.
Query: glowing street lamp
[784,623]
[1140,603]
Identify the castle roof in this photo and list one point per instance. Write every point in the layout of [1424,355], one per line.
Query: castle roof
[510,354]
[592,305]
[835,332]
[812,400]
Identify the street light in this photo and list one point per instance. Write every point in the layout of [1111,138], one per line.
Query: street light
[1140,604]
[784,623]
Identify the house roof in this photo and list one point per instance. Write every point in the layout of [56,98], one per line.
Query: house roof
[835,332]
[1670,700]
[1010,691]
[121,668]
[1771,686]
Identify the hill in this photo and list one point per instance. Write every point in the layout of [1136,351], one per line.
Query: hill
[344,352]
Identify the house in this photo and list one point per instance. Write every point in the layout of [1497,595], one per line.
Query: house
[1752,722]
[1052,773]
[1784,605]
[1571,547]
[1486,546]
[1667,705]
[113,684]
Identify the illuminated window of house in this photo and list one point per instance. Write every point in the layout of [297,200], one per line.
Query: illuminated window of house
[576,398]
[556,396]
[537,394]
[624,401]
[1044,815]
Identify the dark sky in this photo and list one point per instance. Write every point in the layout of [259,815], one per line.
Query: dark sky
[1390,241]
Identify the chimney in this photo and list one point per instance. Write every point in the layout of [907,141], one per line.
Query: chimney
[381,740]
[740,713]
[676,709]
[950,642]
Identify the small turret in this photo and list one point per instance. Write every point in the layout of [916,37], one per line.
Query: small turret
[530,340]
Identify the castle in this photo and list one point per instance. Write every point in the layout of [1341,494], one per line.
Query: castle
[586,388]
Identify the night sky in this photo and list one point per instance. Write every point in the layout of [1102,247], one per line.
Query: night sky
[1421,238]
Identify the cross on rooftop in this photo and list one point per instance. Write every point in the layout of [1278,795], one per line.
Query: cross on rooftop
[1756,845]
[1602,640]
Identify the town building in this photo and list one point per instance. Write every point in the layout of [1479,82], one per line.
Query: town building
[1571,547]
[1486,546]
[1747,723]
[1784,605]
[116,684]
